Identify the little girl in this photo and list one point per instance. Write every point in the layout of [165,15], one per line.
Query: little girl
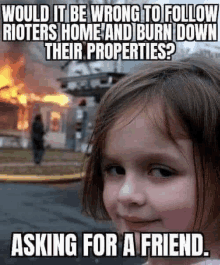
[154,165]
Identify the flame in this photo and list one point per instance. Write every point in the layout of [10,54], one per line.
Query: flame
[34,97]
[23,99]
[55,115]
[55,121]
[12,89]
[60,99]
[22,125]
[5,76]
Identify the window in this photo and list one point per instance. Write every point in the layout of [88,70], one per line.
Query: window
[22,123]
[55,121]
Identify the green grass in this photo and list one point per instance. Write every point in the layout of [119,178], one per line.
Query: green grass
[41,170]
[26,156]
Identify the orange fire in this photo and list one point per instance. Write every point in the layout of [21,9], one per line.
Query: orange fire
[8,90]
[12,90]
[60,99]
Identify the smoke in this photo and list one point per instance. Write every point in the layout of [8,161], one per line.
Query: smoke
[34,50]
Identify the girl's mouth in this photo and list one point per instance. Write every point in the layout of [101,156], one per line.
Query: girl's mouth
[139,225]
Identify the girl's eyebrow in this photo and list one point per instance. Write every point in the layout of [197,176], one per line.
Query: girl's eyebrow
[141,159]
[109,158]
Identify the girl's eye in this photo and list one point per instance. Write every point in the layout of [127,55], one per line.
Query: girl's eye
[114,170]
[162,172]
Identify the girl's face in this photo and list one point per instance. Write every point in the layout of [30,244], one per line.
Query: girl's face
[149,182]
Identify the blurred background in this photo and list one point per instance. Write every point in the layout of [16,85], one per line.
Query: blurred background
[66,93]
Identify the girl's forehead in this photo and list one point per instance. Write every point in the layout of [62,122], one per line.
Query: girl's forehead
[137,138]
[153,115]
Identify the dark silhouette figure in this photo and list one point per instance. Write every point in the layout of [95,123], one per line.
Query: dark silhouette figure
[37,135]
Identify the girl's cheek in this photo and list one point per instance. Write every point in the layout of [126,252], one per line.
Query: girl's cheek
[110,196]
[176,195]
[175,207]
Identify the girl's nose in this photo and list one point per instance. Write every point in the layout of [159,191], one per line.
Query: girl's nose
[131,192]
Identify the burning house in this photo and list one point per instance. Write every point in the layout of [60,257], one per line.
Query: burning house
[26,89]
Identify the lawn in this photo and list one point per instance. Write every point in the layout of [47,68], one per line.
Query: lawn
[25,156]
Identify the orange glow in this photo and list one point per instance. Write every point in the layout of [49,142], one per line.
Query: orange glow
[60,99]
[23,99]
[55,115]
[12,90]
[55,121]
[5,76]
[22,123]
[10,86]
[34,97]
